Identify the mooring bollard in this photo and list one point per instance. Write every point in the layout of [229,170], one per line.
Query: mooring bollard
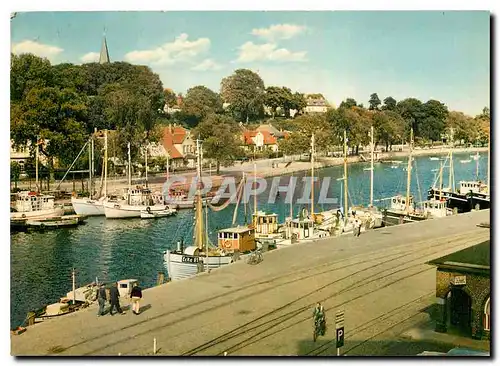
[225,353]
[154,346]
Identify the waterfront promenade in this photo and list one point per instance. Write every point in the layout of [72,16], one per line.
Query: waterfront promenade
[379,279]
[264,168]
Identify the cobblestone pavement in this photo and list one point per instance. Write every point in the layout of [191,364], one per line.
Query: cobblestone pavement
[379,279]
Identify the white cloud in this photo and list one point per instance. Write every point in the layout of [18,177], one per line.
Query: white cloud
[36,48]
[207,64]
[279,31]
[90,57]
[250,52]
[180,50]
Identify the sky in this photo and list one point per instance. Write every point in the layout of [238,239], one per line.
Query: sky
[341,54]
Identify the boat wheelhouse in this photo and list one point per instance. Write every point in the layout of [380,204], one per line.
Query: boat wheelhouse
[34,205]
[240,238]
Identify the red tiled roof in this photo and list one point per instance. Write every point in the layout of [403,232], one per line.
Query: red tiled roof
[179,134]
[168,143]
[268,138]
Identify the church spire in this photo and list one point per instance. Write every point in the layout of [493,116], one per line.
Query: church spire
[104,56]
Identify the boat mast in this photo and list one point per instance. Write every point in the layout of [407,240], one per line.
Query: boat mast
[371,169]
[168,165]
[255,183]
[36,163]
[93,165]
[199,206]
[345,177]
[408,182]
[488,177]
[451,178]
[146,163]
[477,165]
[312,176]
[244,198]
[129,173]
[440,180]
[105,163]
[90,168]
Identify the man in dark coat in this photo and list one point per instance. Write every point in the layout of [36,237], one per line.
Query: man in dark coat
[101,298]
[136,296]
[114,299]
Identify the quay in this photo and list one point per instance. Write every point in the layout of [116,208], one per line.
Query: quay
[380,279]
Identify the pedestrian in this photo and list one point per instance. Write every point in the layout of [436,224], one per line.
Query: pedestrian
[101,298]
[136,296]
[114,299]
[358,222]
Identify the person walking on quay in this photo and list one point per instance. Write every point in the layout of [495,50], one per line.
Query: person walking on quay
[114,299]
[136,296]
[101,298]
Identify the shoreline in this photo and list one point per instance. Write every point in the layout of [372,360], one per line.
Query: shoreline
[265,168]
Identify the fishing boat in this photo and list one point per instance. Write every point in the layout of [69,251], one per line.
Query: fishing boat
[158,214]
[186,262]
[402,208]
[31,205]
[473,194]
[433,158]
[370,216]
[77,299]
[133,200]
[465,161]
[53,223]
[266,228]
[89,206]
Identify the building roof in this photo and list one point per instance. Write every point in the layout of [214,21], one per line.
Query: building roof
[476,257]
[104,55]
[237,229]
[249,135]
[168,143]
[271,129]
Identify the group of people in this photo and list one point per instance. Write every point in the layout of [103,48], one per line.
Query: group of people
[114,299]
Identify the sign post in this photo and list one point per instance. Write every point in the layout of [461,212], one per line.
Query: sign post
[339,330]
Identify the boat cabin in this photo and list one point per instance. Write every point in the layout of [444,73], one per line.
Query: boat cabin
[241,238]
[300,228]
[472,186]
[265,223]
[138,196]
[32,201]
[436,208]
[399,203]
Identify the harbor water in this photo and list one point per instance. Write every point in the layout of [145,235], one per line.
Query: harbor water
[41,263]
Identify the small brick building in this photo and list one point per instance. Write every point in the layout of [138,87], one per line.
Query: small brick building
[463,291]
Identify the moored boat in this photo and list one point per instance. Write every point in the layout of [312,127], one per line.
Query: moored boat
[30,205]
[158,214]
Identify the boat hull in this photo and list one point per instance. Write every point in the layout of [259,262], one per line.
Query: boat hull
[392,218]
[116,210]
[87,207]
[182,266]
[53,212]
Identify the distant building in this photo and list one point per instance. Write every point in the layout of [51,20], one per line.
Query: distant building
[263,137]
[177,107]
[463,291]
[316,105]
[178,144]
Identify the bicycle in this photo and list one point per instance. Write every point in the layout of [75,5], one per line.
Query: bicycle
[255,257]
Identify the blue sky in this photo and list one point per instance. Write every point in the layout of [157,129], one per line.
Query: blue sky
[444,56]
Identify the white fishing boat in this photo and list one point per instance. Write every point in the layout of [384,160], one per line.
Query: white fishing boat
[158,214]
[30,205]
[433,158]
[465,161]
[186,262]
[434,208]
[88,206]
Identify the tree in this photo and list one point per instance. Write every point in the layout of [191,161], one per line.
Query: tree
[274,98]
[244,90]
[388,126]
[299,102]
[200,102]
[465,128]
[411,110]
[221,141]
[28,71]
[348,103]
[288,101]
[432,125]
[374,102]
[389,104]
[304,126]
[170,97]
[15,172]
